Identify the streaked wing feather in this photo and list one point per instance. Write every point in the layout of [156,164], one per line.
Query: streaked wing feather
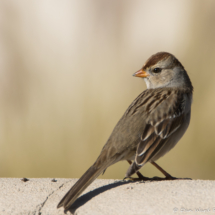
[147,132]
[143,158]
[161,127]
[144,145]
[171,127]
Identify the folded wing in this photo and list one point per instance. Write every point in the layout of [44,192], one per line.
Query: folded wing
[162,121]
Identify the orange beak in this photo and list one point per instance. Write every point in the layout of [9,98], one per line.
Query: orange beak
[141,73]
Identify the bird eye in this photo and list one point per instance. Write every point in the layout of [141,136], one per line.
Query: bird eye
[157,70]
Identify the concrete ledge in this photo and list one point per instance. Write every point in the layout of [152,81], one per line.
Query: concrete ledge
[41,196]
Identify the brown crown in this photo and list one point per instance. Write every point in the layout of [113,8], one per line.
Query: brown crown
[154,59]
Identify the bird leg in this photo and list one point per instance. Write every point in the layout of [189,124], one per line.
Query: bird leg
[156,178]
[168,176]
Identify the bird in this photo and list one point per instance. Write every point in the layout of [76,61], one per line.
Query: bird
[150,127]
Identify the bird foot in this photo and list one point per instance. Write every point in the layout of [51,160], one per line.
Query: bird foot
[156,178]
[169,177]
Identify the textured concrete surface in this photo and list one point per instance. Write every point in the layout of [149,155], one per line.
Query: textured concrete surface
[41,196]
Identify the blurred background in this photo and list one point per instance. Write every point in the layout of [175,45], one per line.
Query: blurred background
[66,79]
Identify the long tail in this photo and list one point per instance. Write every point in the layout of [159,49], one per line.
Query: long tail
[87,178]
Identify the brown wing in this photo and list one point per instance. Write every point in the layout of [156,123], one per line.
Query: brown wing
[161,122]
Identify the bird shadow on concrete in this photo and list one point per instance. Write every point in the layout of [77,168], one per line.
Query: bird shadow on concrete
[86,197]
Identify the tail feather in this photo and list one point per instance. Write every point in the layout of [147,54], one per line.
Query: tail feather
[89,176]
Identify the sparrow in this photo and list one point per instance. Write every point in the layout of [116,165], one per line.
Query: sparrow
[151,126]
